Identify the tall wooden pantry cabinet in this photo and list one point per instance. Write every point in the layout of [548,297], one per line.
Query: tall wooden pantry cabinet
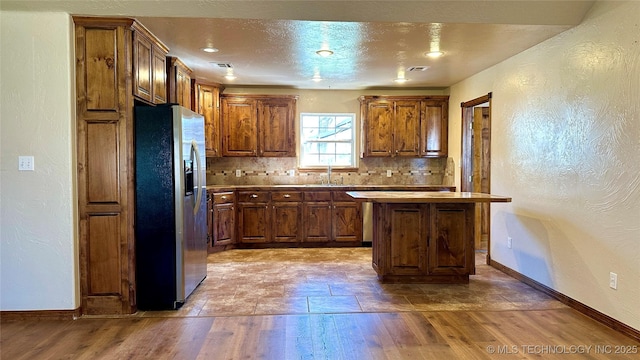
[117,61]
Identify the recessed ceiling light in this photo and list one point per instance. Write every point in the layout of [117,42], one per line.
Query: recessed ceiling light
[434,54]
[230,77]
[316,78]
[324,52]
[401,80]
[209,49]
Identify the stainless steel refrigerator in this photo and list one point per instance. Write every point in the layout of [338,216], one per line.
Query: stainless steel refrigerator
[170,195]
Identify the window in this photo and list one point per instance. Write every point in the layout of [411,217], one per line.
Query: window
[327,139]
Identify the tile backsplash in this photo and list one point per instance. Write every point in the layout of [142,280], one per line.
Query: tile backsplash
[372,171]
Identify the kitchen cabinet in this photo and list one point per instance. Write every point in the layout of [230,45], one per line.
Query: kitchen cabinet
[331,216]
[451,246]
[410,126]
[434,115]
[223,218]
[424,237]
[116,62]
[286,223]
[179,82]
[405,252]
[317,216]
[391,128]
[258,125]
[253,217]
[346,218]
[149,68]
[207,103]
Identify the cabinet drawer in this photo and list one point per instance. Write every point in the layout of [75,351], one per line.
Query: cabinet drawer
[286,196]
[341,196]
[223,198]
[253,196]
[317,196]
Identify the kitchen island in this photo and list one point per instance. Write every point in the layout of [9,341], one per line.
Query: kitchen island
[424,237]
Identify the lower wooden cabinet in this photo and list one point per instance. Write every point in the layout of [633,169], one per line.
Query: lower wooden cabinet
[253,217]
[297,217]
[317,216]
[286,215]
[451,247]
[431,243]
[224,214]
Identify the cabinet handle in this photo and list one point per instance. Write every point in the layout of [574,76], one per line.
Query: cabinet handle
[286,196]
[224,198]
[253,196]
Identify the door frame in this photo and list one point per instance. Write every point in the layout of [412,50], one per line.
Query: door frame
[470,152]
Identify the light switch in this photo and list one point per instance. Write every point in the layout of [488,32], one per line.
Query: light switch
[25,163]
[389,173]
[238,172]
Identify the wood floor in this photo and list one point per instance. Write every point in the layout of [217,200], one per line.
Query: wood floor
[327,304]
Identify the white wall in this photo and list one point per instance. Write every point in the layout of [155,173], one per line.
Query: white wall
[566,147]
[38,259]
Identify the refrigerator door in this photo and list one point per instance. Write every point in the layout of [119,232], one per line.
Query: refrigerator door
[190,200]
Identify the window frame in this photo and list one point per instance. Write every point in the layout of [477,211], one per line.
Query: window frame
[353,142]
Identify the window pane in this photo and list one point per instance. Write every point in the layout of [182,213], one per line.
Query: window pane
[327,138]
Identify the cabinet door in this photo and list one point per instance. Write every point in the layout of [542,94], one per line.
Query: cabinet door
[317,221]
[239,127]
[159,75]
[183,83]
[276,124]
[407,239]
[451,239]
[378,128]
[208,100]
[347,218]
[406,128]
[223,218]
[286,221]
[142,67]
[253,220]
[434,132]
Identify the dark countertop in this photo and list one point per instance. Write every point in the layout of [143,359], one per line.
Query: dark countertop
[302,187]
[317,187]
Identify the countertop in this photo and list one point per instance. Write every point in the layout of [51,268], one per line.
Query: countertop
[317,187]
[426,197]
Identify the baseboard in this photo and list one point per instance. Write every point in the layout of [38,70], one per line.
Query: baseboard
[576,305]
[40,315]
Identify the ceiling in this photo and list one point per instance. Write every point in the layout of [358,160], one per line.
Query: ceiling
[274,43]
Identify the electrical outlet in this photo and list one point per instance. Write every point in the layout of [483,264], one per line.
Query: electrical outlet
[292,172]
[613,280]
[238,172]
[25,163]
[388,173]
[509,242]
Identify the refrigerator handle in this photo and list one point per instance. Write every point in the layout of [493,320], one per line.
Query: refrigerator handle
[194,149]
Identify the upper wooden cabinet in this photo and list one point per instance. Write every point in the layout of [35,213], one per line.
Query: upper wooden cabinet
[412,126]
[207,103]
[149,66]
[434,115]
[258,125]
[179,82]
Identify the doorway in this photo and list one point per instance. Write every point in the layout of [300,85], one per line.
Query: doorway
[475,174]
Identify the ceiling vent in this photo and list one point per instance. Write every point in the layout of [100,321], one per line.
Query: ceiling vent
[417,68]
[223,65]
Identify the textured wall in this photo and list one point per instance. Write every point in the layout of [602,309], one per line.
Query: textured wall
[566,147]
[37,225]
